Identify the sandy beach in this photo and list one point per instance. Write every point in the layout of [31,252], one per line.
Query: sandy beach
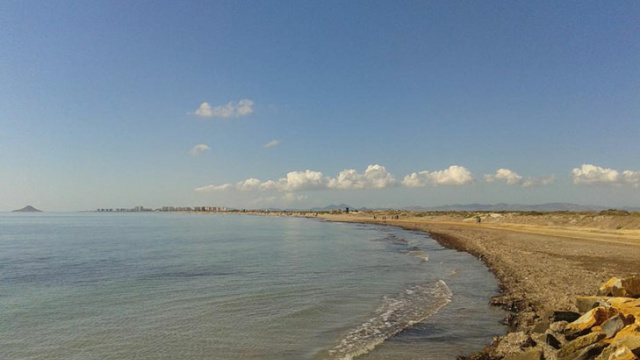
[542,261]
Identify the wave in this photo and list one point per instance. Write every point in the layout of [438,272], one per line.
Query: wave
[393,239]
[420,254]
[395,314]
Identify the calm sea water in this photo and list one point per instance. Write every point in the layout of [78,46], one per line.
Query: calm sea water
[179,286]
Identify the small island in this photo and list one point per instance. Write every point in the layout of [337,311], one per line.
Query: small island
[28,208]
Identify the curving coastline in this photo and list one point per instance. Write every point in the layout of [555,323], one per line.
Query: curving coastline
[541,268]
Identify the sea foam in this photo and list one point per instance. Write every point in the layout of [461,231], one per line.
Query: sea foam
[395,314]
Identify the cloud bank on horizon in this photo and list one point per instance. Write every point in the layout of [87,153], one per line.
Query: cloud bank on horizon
[377,177]
[374,177]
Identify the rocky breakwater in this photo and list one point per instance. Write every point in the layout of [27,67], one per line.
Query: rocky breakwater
[606,327]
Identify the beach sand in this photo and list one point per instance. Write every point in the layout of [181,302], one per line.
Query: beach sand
[542,263]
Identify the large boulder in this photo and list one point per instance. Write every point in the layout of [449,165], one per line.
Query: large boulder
[570,350]
[586,303]
[623,353]
[587,353]
[591,318]
[629,287]
[623,346]
[617,353]
[632,287]
[615,324]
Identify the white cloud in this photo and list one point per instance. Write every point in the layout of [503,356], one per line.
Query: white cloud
[453,175]
[416,179]
[241,108]
[272,143]
[204,110]
[512,178]
[269,185]
[374,177]
[245,185]
[302,180]
[196,150]
[211,188]
[248,185]
[590,174]
[539,181]
[506,175]
[244,107]
[631,177]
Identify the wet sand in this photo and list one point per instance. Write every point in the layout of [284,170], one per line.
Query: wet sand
[541,268]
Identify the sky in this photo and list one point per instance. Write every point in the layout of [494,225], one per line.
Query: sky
[298,104]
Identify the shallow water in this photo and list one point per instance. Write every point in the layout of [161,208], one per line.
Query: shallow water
[166,286]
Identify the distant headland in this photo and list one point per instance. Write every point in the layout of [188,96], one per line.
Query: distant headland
[28,208]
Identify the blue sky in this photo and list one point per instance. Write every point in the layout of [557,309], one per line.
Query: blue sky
[117,104]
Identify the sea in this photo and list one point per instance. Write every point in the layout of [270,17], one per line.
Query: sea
[224,286]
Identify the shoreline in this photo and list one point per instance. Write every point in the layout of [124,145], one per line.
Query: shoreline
[537,271]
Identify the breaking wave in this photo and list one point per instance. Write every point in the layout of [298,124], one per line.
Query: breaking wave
[395,314]
[420,254]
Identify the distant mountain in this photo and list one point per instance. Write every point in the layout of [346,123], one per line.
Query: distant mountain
[28,208]
[333,207]
[477,207]
[515,207]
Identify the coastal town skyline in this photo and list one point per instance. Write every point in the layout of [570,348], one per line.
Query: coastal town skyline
[301,104]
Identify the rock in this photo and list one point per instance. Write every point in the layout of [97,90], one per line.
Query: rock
[627,306]
[532,354]
[507,303]
[553,341]
[591,318]
[629,287]
[510,320]
[572,335]
[513,343]
[558,326]
[632,342]
[569,316]
[611,288]
[629,336]
[628,342]
[613,325]
[621,353]
[580,343]
[548,353]
[587,353]
[586,303]
[540,327]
